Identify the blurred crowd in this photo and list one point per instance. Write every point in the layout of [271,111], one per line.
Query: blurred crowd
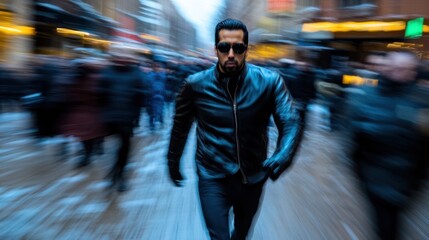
[89,98]
[380,108]
[56,90]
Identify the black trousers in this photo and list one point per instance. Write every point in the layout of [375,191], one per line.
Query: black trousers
[124,133]
[386,218]
[217,196]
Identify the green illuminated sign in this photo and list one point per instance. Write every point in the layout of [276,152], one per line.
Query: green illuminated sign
[414,28]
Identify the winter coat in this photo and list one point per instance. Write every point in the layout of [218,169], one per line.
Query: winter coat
[121,91]
[83,116]
[390,150]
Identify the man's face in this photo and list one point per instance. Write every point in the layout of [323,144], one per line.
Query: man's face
[231,61]
[402,68]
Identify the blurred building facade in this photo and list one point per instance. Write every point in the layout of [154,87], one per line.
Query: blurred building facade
[61,26]
[360,26]
[251,12]
[351,26]
[154,22]
[58,27]
[163,25]
[370,8]
[15,33]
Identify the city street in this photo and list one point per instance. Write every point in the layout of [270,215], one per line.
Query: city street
[43,195]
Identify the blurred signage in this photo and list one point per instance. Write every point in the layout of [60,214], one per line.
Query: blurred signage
[404,45]
[414,28]
[264,51]
[281,6]
[368,26]
[359,81]
[126,34]
[149,37]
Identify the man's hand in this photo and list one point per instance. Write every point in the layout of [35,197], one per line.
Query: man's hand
[176,176]
[270,164]
[275,169]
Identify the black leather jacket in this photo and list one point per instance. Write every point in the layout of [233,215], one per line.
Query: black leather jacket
[232,131]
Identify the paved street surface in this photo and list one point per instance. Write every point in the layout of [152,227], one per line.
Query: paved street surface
[43,196]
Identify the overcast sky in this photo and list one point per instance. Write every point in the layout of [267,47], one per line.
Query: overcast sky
[201,14]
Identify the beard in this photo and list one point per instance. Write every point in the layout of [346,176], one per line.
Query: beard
[231,66]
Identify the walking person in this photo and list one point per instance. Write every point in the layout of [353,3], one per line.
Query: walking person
[121,97]
[232,103]
[157,79]
[390,146]
[301,85]
[49,84]
[82,118]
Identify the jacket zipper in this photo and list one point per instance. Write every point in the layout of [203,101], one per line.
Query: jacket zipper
[234,105]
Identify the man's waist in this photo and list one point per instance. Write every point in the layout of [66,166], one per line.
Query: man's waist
[252,177]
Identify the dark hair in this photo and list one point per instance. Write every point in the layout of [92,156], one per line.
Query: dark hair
[231,24]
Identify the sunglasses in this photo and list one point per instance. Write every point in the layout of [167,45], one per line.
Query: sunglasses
[238,48]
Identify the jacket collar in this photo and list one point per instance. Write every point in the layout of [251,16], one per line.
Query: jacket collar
[387,86]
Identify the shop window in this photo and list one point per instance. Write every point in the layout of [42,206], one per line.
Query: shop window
[309,3]
[351,3]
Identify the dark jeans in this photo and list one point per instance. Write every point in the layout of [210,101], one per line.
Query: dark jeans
[217,196]
[157,111]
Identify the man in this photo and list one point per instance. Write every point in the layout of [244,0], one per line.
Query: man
[121,96]
[46,109]
[390,146]
[332,88]
[232,103]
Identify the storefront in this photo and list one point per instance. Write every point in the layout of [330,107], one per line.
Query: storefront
[353,40]
[14,35]
[63,26]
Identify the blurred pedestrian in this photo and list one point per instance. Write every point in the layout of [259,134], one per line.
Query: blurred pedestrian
[121,98]
[50,84]
[157,79]
[232,103]
[332,89]
[301,85]
[389,148]
[82,118]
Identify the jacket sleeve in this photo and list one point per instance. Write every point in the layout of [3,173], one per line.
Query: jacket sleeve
[289,126]
[183,119]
